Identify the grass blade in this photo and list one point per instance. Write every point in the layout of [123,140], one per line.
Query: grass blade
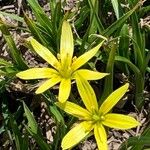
[119,22]
[116,8]
[31,121]
[12,16]
[14,52]
[139,81]
[42,144]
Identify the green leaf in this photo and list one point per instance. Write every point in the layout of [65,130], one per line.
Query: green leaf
[31,120]
[115,7]
[14,52]
[117,24]
[38,138]
[139,141]
[139,44]
[57,114]
[139,81]
[12,16]
[3,62]
[17,133]
[37,32]
[108,84]
[95,20]
[124,41]
[84,13]
[41,17]
[143,140]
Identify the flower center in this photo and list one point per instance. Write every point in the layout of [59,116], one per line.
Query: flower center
[98,118]
[66,72]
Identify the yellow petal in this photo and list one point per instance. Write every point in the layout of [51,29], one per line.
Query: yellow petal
[64,90]
[113,98]
[119,121]
[44,53]
[66,44]
[48,84]
[74,110]
[90,75]
[85,57]
[76,134]
[101,137]
[37,73]
[87,94]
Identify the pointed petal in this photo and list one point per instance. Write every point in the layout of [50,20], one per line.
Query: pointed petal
[100,136]
[113,98]
[44,53]
[90,75]
[76,134]
[85,57]
[66,44]
[48,84]
[74,110]
[64,90]
[37,73]
[119,121]
[87,93]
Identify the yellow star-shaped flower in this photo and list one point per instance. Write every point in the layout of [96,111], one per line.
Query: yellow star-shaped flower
[93,118]
[63,70]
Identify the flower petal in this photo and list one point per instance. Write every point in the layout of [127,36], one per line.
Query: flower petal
[100,136]
[85,57]
[74,110]
[119,121]
[66,44]
[37,73]
[44,53]
[87,93]
[48,84]
[64,90]
[90,75]
[113,98]
[76,134]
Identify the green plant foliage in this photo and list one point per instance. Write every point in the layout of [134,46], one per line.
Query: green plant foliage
[124,55]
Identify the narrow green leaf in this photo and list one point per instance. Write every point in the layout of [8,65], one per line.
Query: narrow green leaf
[17,133]
[138,141]
[124,41]
[12,16]
[38,138]
[36,32]
[148,69]
[124,46]
[145,134]
[108,84]
[139,81]
[94,15]
[119,22]
[57,114]
[52,4]
[15,54]
[41,17]
[138,38]
[31,121]
[25,143]
[84,13]
[3,62]
[144,11]
[115,7]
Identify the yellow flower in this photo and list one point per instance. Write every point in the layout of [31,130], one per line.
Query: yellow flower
[94,118]
[63,70]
